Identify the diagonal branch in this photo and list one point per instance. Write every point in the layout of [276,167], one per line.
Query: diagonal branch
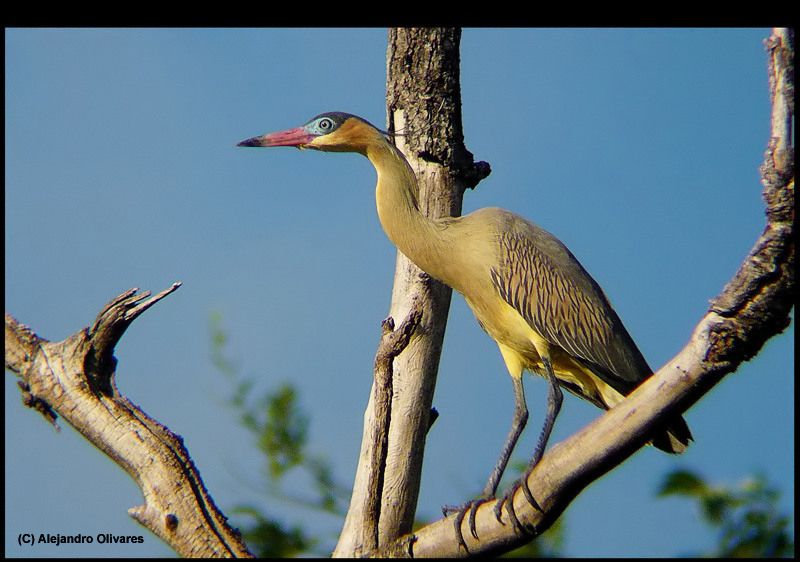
[74,378]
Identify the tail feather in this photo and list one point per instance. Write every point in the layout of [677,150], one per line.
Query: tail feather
[676,437]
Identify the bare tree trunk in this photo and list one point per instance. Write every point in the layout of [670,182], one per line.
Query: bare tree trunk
[424,109]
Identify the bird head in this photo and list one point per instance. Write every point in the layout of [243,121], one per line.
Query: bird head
[334,131]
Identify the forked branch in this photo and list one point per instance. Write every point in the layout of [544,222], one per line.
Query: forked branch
[74,379]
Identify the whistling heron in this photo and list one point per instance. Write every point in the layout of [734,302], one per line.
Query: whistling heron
[527,290]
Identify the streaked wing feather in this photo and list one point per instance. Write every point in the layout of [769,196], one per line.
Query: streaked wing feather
[546,284]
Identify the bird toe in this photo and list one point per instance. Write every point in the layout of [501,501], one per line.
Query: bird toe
[470,507]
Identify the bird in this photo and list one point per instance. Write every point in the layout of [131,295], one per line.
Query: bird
[528,292]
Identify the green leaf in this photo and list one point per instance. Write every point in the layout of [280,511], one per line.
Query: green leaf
[683,483]
[284,434]
[268,538]
[746,516]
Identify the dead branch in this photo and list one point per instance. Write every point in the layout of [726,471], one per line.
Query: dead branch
[74,379]
[393,342]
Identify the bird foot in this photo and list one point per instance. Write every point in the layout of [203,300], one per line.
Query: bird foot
[508,501]
[471,506]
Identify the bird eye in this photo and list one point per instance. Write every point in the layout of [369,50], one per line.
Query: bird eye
[325,124]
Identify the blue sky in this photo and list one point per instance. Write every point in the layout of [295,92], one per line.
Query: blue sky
[638,148]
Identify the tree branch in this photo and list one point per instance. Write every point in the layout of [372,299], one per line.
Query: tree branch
[393,342]
[74,378]
[753,307]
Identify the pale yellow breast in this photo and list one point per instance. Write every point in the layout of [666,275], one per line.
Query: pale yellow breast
[522,348]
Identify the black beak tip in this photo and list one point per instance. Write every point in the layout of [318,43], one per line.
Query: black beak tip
[249,142]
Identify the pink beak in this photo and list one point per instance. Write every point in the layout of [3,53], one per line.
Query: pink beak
[298,137]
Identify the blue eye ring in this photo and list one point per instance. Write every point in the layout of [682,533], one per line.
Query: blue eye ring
[325,124]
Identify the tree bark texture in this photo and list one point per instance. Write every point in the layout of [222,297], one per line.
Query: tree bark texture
[424,110]
[74,379]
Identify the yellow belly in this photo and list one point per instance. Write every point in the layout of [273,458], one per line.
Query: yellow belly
[523,347]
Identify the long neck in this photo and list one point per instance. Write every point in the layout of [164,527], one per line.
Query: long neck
[424,241]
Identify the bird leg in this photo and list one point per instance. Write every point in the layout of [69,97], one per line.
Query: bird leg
[554,399]
[517,425]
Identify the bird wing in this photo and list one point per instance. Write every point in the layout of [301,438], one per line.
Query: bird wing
[545,283]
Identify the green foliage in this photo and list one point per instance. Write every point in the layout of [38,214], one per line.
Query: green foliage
[282,432]
[279,428]
[746,515]
[270,539]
